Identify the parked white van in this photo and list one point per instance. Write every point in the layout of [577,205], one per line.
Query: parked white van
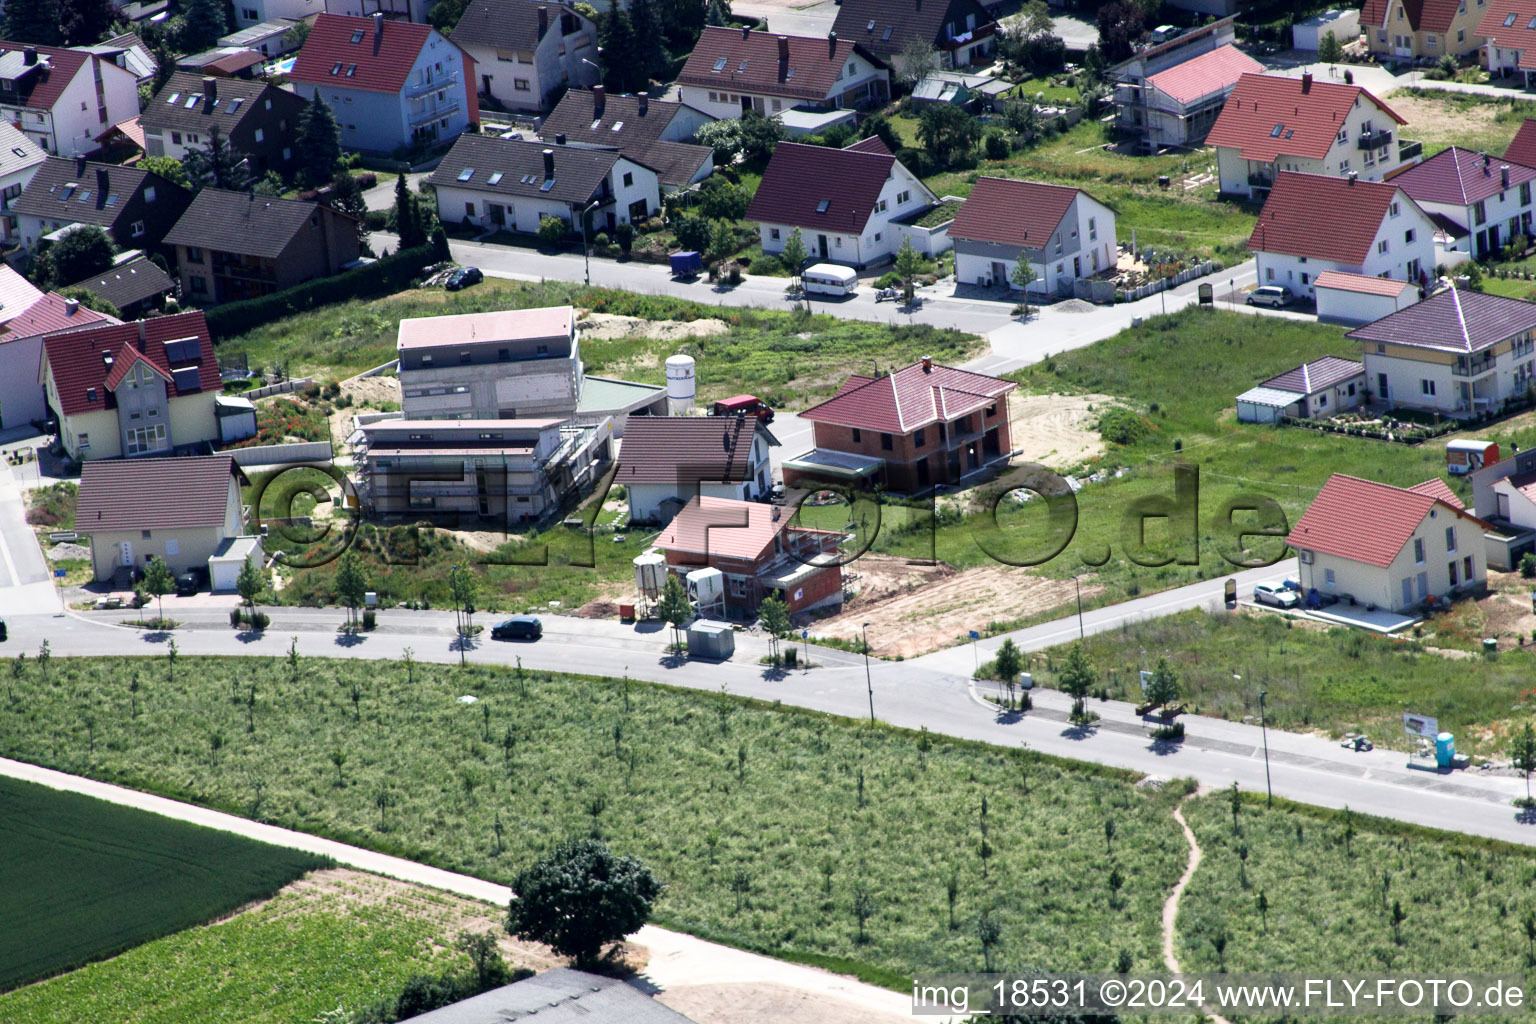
[829,279]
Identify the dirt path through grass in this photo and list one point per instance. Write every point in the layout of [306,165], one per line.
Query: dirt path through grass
[1171,908]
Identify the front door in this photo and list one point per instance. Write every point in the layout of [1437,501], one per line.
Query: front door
[999,272]
[498,215]
[1077,266]
[1381,386]
[485,84]
[821,245]
[746,104]
[1423,580]
[125,553]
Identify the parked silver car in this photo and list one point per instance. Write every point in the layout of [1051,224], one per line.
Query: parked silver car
[1268,593]
[1271,295]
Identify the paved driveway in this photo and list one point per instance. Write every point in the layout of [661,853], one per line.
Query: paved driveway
[26,581]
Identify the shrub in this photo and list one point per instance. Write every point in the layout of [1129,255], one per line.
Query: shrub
[600,241]
[624,234]
[1171,733]
[370,618]
[552,230]
[889,279]
[997,147]
[1119,425]
[1528,565]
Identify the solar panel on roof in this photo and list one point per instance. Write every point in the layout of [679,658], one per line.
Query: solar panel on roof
[182,350]
[188,378]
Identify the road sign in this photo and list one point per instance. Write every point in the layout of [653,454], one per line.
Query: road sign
[60,573]
[804,634]
[975,635]
[1421,725]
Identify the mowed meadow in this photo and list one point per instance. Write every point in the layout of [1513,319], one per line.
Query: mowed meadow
[81,879]
[768,825]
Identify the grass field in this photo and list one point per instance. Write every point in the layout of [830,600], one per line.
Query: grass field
[1334,680]
[784,356]
[1191,220]
[351,940]
[700,786]
[82,879]
[1441,119]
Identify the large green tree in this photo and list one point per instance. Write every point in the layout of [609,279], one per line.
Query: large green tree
[34,21]
[319,143]
[203,25]
[347,197]
[85,21]
[650,51]
[619,51]
[947,132]
[166,167]
[580,897]
[217,164]
[84,252]
[409,223]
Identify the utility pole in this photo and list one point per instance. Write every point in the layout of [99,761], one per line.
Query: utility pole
[1081,633]
[868,681]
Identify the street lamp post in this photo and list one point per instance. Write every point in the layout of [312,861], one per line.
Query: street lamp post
[868,681]
[1081,634]
[586,251]
[1264,731]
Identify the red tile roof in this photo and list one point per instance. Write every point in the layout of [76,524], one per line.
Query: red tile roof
[1438,488]
[1007,212]
[1308,113]
[1361,283]
[1423,15]
[1364,521]
[749,61]
[154,494]
[1208,73]
[724,527]
[682,450]
[42,88]
[382,60]
[908,398]
[49,315]
[80,372]
[1291,223]
[1460,177]
[801,178]
[1518,34]
[1522,148]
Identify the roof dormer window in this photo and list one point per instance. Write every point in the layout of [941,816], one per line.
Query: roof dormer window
[1277,132]
[1509,19]
[336,68]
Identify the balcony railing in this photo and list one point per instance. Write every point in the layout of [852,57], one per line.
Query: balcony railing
[442,82]
[235,268]
[435,112]
[1472,367]
[1408,151]
[1373,140]
[1257,180]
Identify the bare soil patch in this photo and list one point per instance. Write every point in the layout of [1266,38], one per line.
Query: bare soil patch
[369,394]
[607,326]
[912,608]
[1056,430]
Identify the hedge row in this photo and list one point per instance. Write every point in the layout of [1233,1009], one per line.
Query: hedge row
[390,274]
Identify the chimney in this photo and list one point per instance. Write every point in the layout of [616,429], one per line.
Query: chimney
[783,49]
[1504,175]
[746,30]
[210,89]
[927,364]
[1306,83]
[1486,161]
[101,182]
[29,56]
[79,166]
[543,21]
[143,338]
[599,100]
[378,25]
[560,139]
[71,307]
[1353,177]
[549,164]
[645,103]
[831,44]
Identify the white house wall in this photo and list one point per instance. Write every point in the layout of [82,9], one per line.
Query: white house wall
[1369,584]
[1342,156]
[1299,273]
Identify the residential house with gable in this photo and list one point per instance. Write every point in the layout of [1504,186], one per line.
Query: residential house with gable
[1065,232]
[258,119]
[134,284]
[1478,201]
[759,551]
[906,430]
[143,388]
[132,205]
[653,133]
[962,31]
[665,461]
[1522,148]
[22,400]
[527,51]
[1510,28]
[847,203]
[20,158]
[1389,547]
[1270,124]
[62,99]
[735,70]
[1324,386]
[1429,29]
[513,184]
[238,245]
[1312,223]
[391,84]
[1459,352]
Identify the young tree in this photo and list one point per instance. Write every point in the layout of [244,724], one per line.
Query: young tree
[249,584]
[408,219]
[773,614]
[203,25]
[351,584]
[1163,684]
[158,582]
[347,197]
[988,931]
[1023,276]
[464,585]
[1330,50]
[166,167]
[579,897]
[217,165]
[1010,662]
[1076,675]
[673,608]
[722,240]
[84,252]
[909,263]
[863,908]
[319,142]
[916,61]
[795,252]
[1522,755]
[34,21]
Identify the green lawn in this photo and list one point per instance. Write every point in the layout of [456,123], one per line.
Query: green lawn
[82,879]
[788,357]
[701,786]
[1334,680]
[283,962]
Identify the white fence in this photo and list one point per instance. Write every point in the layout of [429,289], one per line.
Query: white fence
[281,387]
[1163,284]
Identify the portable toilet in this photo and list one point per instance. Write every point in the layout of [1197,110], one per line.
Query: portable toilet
[1445,749]
[1462,457]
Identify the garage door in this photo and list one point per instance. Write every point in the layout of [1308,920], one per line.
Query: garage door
[223,574]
